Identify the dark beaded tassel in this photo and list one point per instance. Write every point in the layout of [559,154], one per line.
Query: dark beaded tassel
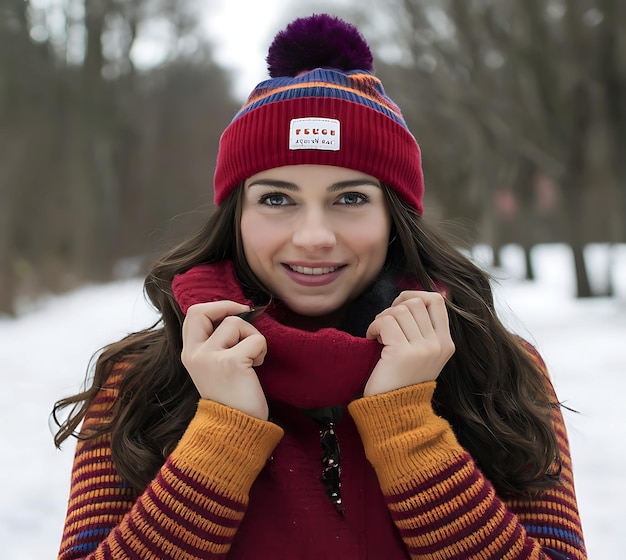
[326,419]
[331,459]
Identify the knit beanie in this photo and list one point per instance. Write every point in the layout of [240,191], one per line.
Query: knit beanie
[321,105]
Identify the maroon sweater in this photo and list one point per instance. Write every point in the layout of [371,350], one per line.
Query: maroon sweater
[245,488]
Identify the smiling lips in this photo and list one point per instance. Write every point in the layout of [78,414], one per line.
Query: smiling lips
[314,270]
[313,276]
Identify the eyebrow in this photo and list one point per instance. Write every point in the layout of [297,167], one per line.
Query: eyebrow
[342,185]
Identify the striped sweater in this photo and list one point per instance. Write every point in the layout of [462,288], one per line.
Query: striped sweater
[440,502]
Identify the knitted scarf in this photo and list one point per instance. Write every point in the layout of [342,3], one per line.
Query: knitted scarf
[289,510]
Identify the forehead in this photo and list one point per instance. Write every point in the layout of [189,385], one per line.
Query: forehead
[316,175]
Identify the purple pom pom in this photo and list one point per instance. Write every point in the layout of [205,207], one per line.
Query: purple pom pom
[319,41]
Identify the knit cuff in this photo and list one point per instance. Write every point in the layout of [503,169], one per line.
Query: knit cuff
[403,437]
[226,445]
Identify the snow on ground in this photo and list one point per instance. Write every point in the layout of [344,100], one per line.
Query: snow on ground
[45,352]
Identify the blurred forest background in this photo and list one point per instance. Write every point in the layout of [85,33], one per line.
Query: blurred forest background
[519,107]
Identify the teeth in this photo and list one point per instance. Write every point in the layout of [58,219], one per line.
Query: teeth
[314,271]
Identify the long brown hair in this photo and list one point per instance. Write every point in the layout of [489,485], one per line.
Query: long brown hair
[491,391]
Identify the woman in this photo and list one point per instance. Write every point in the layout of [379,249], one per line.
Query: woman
[317,315]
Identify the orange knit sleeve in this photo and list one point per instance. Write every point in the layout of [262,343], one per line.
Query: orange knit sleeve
[442,504]
[191,509]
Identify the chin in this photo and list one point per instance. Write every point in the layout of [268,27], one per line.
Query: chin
[313,311]
[319,314]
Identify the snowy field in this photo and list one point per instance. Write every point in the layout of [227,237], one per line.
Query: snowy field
[44,353]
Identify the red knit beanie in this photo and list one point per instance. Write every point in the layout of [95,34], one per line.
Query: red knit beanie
[322,105]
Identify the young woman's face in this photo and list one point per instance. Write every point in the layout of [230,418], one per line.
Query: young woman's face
[315,235]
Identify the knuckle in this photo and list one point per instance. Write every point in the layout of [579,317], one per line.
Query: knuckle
[387,319]
[231,322]
[195,309]
[402,309]
[437,298]
[447,347]
[260,338]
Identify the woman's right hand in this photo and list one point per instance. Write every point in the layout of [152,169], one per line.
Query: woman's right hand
[220,352]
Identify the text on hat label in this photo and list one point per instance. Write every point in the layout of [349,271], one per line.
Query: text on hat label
[314,134]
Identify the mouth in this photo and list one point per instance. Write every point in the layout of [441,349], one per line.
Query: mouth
[313,271]
[313,276]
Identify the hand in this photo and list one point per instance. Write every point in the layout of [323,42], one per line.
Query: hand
[220,352]
[417,342]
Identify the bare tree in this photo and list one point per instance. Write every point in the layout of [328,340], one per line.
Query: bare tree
[98,154]
[530,85]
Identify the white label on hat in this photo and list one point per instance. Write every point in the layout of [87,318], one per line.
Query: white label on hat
[314,134]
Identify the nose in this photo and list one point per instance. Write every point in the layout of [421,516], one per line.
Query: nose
[314,231]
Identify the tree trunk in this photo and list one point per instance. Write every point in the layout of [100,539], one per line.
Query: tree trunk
[575,179]
[528,262]
[94,179]
[583,287]
[8,282]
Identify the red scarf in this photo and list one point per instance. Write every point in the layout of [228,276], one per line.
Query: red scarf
[290,515]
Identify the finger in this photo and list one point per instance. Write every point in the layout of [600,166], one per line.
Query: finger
[407,318]
[254,347]
[218,310]
[197,327]
[435,306]
[202,318]
[386,330]
[438,312]
[410,294]
[230,332]
[421,315]
[440,324]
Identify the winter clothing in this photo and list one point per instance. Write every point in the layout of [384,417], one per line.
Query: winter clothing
[242,488]
[329,110]
[239,487]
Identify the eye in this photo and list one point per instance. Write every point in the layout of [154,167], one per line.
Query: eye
[352,199]
[274,199]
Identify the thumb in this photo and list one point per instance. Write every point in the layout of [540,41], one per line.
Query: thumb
[255,348]
[373,331]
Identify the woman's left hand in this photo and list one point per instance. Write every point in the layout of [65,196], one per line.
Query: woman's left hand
[417,344]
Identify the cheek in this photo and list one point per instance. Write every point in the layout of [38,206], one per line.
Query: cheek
[371,237]
[251,225]
[247,227]
[258,235]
